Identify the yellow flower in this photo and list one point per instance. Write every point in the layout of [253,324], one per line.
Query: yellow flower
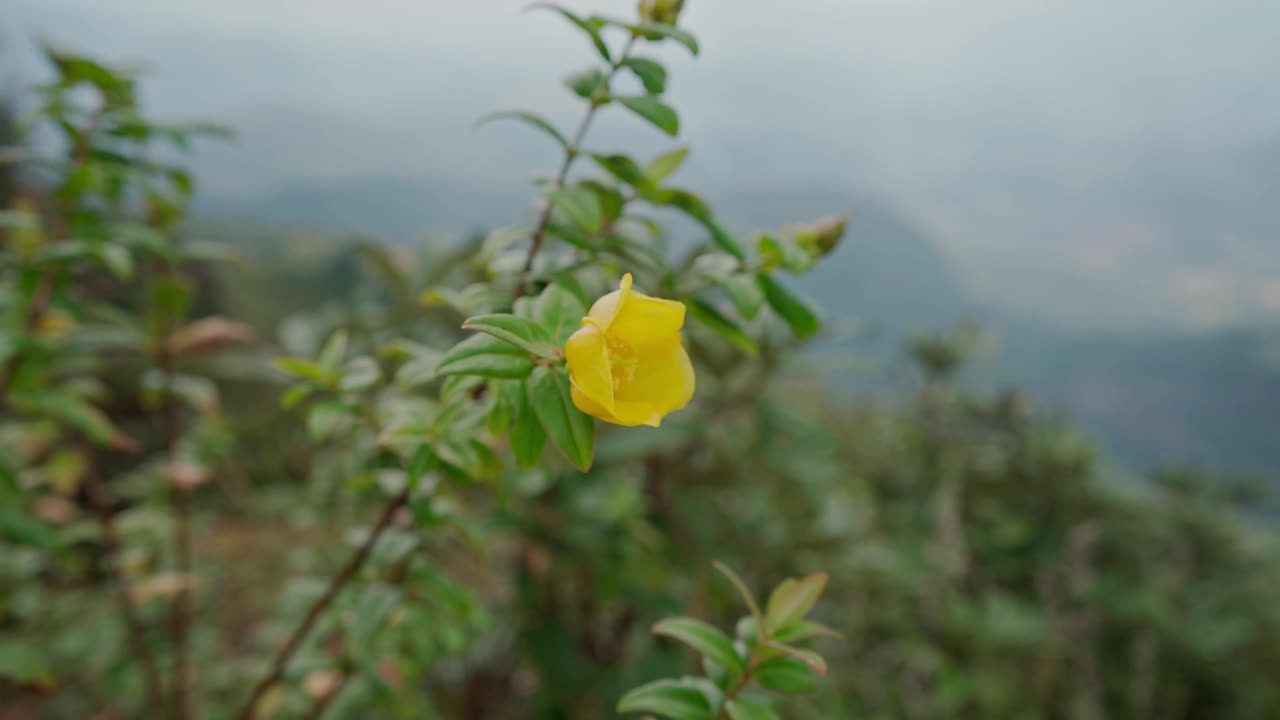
[626,361]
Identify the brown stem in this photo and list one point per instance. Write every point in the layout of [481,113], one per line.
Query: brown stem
[571,153]
[738,687]
[317,608]
[180,503]
[137,632]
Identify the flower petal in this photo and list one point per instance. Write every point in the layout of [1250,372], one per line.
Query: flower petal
[606,309]
[587,353]
[663,383]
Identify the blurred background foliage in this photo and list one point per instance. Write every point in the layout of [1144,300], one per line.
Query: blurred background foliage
[986,559]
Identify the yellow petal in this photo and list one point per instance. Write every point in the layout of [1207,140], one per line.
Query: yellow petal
[589,406]
[663,383]
[607,308]
[588,356]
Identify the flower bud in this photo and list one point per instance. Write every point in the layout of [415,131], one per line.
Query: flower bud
[820,237]
[661,11]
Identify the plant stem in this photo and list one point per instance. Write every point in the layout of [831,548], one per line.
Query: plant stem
[137,632]
[180,504]
[348,571]
[733,692]
[571,153]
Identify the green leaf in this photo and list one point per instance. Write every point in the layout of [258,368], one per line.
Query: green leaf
[665,164]
[305,369]
[529,118]
[73,411]
[741,709]
[708,315]
[696,208]
[660,114]
[333,352]
[650,73]
[798,630]
[590,26]
[117,259]
[704,638]
[559,312]
[581,205]
[610,199]
[798,314]
[588,83]
[527,436]
[570,429]
[324,420]
[419,369]
[745,294]
[654,31]
[785,252]
[423,461]
[623,168]
[517,331]
[743,591]
[295,395]
[360,373]
[812,659]
[486,356]
[786,675]
[23,664]
[668,698]
[793,599]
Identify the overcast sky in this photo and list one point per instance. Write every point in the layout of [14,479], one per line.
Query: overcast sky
[954,110]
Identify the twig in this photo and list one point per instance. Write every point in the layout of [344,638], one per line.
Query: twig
[133,623]
[180,502]
[571,153]
[317,608]
[737,688]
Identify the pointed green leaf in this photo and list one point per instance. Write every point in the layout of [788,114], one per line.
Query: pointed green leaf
[530,118]
[305,369]
[360,373]
[527,436]
[745,293]
[334,350]
[486,356]
[706,313]
[581,205]
[660,114]
[668,698]
[514,330]
[810,658]
[559,312]
[798,314]
[665,164]
[650,73]
[741,709]
[783,251]
[743,591]
[786,675]
[591,26]
[793,599]
[696,208]
[569,428]
[796,631]
[623,168]
[588,83]
[704,638]
[654,31]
